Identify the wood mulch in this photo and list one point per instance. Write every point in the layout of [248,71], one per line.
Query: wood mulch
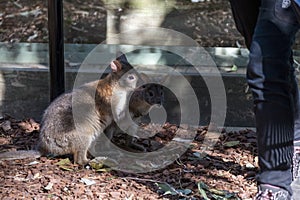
[227,170]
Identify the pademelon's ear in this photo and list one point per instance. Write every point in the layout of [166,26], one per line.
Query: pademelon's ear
[115,65]
[122,58]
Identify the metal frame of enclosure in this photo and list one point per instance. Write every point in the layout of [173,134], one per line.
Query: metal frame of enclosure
[56,48]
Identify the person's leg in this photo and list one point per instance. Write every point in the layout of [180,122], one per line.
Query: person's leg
[245,15]
[296,157]
[270,77]
[297,120]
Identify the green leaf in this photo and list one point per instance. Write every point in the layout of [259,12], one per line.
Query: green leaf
[218,192]
[234,68]
[64,162]
[96,166]
[231,143]
[201,187]
[65,168]
[166,188]
[103,170]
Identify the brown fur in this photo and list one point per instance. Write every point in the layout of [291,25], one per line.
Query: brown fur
[60,137]
[140,103]
[62,134]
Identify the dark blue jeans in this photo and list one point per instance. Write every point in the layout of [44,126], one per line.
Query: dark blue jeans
[271,78]
[272,81]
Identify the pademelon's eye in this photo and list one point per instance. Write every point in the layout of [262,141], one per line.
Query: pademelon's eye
[131,77]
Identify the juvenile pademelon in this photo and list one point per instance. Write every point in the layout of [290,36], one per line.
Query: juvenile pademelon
[140,104]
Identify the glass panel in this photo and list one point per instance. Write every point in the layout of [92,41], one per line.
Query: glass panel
[142,28]
[24,89]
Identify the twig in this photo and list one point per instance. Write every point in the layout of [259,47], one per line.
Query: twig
[142,179]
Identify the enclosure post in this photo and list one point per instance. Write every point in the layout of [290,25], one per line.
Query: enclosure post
[56,48]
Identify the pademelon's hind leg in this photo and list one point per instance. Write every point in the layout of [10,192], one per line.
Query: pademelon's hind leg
[80,157]
[80,148]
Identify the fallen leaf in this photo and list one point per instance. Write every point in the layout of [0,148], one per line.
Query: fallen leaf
[166,189]
[201,187]
[33,163]
[231,143]
[88,181]
[37,175]
[185,191]
[49,186]
[64,162]
[96,165]
[65,168]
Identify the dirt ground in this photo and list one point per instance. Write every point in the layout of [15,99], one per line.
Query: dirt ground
[225,172]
